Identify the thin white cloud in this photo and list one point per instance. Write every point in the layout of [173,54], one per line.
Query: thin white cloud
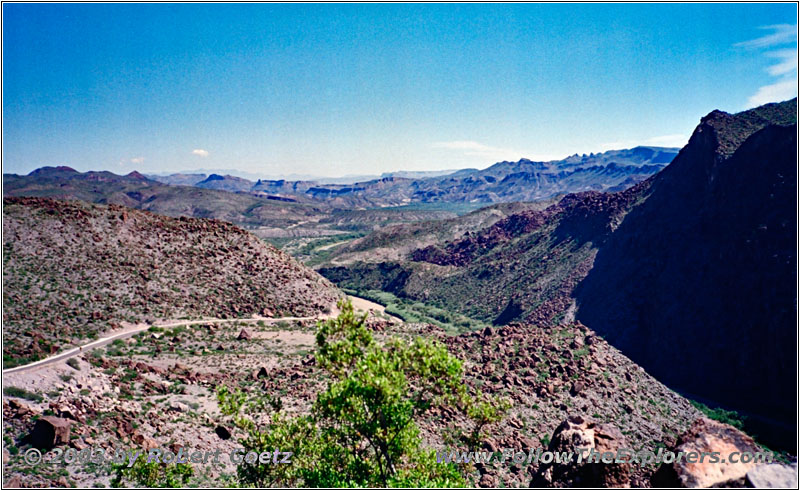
[781,34]
[674,140]
[785,70]
[490,154]
[200,152]
[467,146]
[779,91]
[470,148]
[137,160]
[787,64]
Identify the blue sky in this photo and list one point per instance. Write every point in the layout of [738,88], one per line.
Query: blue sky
[362,89]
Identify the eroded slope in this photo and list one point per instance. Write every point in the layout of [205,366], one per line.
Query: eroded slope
[73,270]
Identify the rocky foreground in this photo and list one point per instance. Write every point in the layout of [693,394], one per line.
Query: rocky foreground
[72,270]
[568,388]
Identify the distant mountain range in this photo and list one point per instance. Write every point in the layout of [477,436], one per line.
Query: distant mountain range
[524,180]
[137,191]
[190,177]
[691,273]
[243,200]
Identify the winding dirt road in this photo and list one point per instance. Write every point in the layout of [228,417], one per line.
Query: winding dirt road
[132,330]
[360,304]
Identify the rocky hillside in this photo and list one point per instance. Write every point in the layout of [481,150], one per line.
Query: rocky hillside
[689,272]
[700,281]
[552,373]
[160,392]
[525,266]
[72,270]
[396,242]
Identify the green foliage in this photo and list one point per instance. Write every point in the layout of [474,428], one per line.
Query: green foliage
[484,411]
[230,404]
[343,341]
[412,311]
[21,393]
[73,363]
[723,416]
[151,475]
[230,401]
[362,431]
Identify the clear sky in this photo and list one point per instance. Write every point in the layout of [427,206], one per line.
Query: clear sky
[361,89]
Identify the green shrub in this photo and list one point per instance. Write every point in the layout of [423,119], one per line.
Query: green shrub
[22,394]
[151,475]
[362,429]
[723,416]
[73,363]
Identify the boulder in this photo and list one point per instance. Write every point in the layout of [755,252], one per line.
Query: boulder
[50,431]
[261,373]
[773,476]
[19,408]
[487,481]
[575,433]
[178,407]
[223,432]
[244,335]
[13,482]
[707,435]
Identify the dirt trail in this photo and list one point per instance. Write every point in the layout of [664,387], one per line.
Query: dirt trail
[137,328]
[364,305]
[130,330]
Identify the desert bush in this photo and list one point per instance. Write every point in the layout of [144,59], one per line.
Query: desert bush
[723,416]
[151,475]
[362,429]
[22,393]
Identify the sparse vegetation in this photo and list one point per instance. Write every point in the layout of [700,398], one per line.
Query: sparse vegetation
[415,311]
[151,475]
[22,393]
[722,415]
[362,430]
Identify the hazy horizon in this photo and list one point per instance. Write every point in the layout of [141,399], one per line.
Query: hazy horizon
[338,90]
[299,177]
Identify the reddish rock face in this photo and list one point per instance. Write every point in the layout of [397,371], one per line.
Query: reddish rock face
[707,435]
[50,431]
[578,432]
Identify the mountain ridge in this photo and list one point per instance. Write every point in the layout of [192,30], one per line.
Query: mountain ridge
[523,180]
[583,258]
[72,269]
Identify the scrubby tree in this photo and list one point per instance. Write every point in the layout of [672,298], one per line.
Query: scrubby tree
[151,474]
[362,429]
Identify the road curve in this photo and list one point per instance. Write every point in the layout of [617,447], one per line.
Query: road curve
[128,332]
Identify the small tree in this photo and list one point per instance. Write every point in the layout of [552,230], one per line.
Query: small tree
[361,430]
[151,475]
